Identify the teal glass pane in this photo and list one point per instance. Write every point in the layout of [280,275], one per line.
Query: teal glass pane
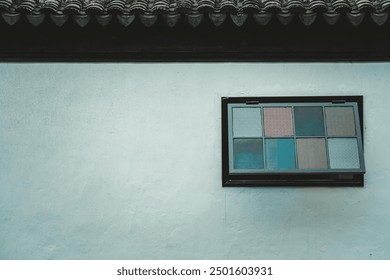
[309,121]
[343,153]
[280,153]
[248,153]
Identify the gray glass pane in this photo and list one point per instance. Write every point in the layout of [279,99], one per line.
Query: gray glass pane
[280,153]
[248,153]
[343,153]
[312,153]
[247,122]
[340,121]
[309,121]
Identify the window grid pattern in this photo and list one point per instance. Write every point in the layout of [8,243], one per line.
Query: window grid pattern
[303,134]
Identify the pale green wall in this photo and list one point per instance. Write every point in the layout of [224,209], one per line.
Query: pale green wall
[123,161]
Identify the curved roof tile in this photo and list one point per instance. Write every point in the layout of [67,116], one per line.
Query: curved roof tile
[51,5]
[116,5]
[317,5]
[272,5]
[194,11]
[365,4]
[340,5]
[73,5]
[95,5]
[27,5]
[5,4]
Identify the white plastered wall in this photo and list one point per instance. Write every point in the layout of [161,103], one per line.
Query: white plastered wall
[123,161]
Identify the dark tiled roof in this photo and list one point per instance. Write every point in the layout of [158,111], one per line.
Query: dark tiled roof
[104,11]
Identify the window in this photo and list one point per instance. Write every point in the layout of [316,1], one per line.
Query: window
[292,141]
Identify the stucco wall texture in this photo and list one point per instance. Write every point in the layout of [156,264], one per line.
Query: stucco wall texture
[123,161]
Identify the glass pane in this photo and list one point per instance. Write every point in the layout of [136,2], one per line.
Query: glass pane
[312,153]
[278,122]
[309,121]
[340,121]
[248,153]
[280,153]
[343,153]
[247,122]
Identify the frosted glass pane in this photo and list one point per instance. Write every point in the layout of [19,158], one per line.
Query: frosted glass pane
[247,122]
[340,121]
[309,121]
[248,153]
[280,153]
[312,153]
[343,153]
[278,122]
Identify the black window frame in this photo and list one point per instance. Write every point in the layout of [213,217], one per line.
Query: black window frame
[331,179]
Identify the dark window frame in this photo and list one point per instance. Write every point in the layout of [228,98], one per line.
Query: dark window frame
[331,179]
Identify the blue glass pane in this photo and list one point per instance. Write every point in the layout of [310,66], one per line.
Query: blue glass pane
[309,121]
[247,122]
[248,153]
[343,153]
[280,153]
